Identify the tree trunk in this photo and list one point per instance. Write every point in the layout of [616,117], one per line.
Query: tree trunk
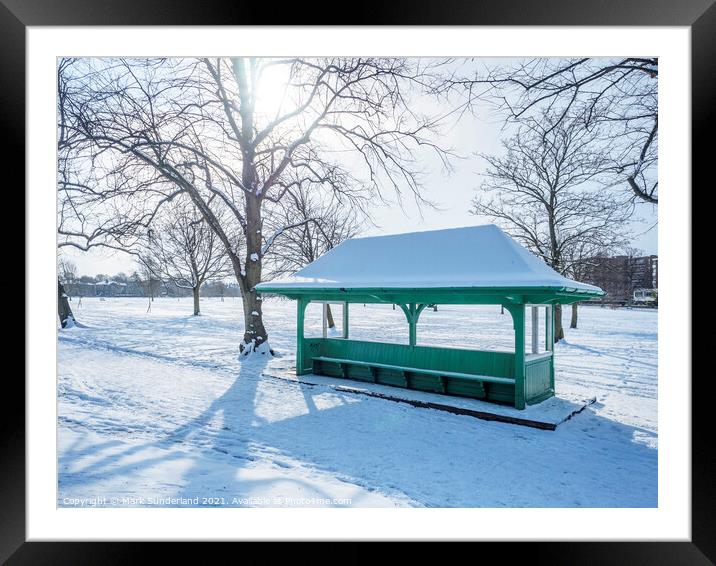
[558,329]
[573,322]
[67,319]
[255,335]
[195,293]
[329,316]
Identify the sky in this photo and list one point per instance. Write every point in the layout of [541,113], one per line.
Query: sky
[451,192]
[454,193]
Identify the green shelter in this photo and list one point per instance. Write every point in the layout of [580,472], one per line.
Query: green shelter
[461,266]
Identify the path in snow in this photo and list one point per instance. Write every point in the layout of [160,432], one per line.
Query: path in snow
[157,405]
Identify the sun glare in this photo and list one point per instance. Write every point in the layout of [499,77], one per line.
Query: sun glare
[272,96]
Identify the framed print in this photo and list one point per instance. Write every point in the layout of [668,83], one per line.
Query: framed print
[384,280]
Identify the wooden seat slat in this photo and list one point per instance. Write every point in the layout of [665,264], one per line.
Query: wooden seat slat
[456,375]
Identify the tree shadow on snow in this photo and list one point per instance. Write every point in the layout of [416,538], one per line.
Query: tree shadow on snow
[223,430]
[273,431]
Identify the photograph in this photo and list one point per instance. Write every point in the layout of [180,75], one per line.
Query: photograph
[406,273]
[350,281]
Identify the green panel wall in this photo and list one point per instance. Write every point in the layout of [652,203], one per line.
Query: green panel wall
[538,380]
[497,364]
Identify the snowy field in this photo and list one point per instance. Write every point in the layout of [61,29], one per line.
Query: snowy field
[156,410]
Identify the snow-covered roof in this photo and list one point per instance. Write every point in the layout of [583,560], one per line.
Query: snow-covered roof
[472,257]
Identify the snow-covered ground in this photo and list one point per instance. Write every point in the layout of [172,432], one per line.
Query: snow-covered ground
[156,409]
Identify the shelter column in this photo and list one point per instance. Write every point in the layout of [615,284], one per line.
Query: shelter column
[548,314]
[345,319]
[324,311]
[518,319]
[550,344]
[412,313]
[300,346]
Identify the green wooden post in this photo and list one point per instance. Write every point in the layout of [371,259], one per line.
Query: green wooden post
[412,324]
[412,313]
[518,319]
[345,319]
[300,346]
[409,311]
[550,338]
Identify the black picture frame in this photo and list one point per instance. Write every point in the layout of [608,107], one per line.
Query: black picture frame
[699,15]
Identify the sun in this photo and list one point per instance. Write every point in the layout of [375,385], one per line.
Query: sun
[273,96]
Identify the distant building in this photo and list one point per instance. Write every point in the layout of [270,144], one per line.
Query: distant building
[620,276]
[110,289]
[81,289]
[135,288]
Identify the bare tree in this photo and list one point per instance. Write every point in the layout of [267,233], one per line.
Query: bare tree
[221,289]
[67,319]
[67,270]
[544,192]
[617,97]
[181,248]
[321,224]
[584,254]
[148,277]
[235,135]
[66,274]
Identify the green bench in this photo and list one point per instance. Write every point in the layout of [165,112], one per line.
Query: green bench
[408,372]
